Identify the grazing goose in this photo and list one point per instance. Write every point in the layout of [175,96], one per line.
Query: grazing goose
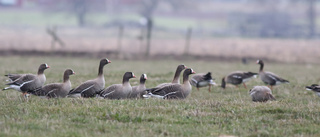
[176,78]
[173,91]
[119,91]
[315,88]
[138,91]
[57,90]
[261,94]
[91,87]
[29,82]
[237,77]
[269,78]
[202,80]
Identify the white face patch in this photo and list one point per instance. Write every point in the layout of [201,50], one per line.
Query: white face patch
[145,76]
[132,74]
[258,61]
[107,60]
[46,65]
[192,71]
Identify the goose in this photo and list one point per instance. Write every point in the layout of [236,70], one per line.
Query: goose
[261,94]
[237,77]
[269,78]
[119,91]
[138,91]
[29,82]
[176,78]
[57,90]
[91,87]
[202,80]
[173,91]
[315,88]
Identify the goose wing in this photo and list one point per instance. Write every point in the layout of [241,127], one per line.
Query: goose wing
[235,78]
[109,91]
[273,77]
[87,89]
[14,77]
[167,89]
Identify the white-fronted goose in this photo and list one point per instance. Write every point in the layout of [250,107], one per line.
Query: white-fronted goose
[119,91]
[91,87]
[138,91]
[315,88]
[237,77]
[57,90]
[29,82]
[261,94]
[176,78]
[202,80]
[173,91]
[269,78]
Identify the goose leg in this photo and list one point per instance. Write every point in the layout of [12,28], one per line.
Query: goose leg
[25,95]
[245,86]
[197,88]
[209,88]
[270,86]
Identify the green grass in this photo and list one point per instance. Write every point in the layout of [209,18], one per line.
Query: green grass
[220,112]
[42,19]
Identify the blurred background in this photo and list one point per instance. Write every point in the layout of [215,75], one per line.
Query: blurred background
[275,30]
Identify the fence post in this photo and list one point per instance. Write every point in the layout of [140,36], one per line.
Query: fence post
[120,40]
[149,32]
[188,38]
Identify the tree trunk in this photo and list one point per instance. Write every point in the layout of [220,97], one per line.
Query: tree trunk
[80,11]
[312,18]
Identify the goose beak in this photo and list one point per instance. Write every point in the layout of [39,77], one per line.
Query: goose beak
[134,76]
[48,67]
[109,61]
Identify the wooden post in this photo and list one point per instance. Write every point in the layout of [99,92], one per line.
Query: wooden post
[141,38]
[120,40]
[149,32]
[188,38]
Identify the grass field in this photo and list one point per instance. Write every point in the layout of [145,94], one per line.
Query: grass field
[220,112]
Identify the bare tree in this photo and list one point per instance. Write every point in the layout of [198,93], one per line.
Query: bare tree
[147,9]
[78,8]
[52,31]
[311,16]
